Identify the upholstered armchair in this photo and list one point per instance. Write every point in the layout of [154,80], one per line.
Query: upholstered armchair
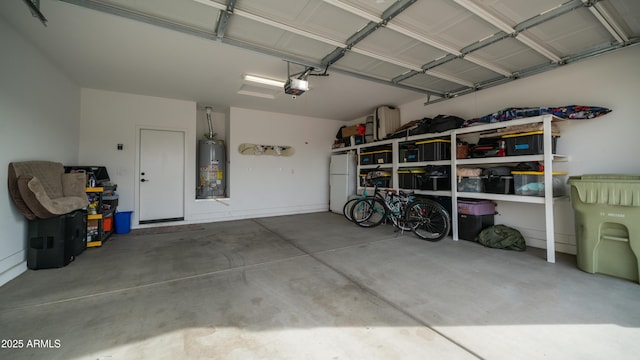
[41,189]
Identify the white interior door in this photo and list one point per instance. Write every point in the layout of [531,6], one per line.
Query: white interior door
[161,176]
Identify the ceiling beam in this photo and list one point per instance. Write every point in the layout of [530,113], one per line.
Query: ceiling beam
[467,51]
[386,59]
[34,8]
[548,15]
[423,39]
[362,34]
[405,76]
[113,10]
[285,27]
[390,13]
[333,56]
[537,69]
[147,19]
[449,78]
[212,4]
[395,9]
[503,26]
[600,49]
[607,21]
[223,19]
[387,82]
[374,24]
[385,21]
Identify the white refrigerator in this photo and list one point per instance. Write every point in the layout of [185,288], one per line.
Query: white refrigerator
[342,180]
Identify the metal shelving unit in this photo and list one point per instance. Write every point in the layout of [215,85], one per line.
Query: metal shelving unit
[547,158]
[102,234]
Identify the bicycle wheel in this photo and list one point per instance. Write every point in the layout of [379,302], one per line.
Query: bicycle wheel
[368,212]
[430,221]
[400,220]
[346,209]
[402,224]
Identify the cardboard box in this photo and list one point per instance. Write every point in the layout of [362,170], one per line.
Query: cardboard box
[350,131]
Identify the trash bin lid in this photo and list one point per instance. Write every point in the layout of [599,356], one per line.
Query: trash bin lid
[608,189]
[609,177]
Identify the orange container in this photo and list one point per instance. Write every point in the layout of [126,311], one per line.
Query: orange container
[107,225]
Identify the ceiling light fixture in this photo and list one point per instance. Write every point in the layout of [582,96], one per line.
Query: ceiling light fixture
[263,80]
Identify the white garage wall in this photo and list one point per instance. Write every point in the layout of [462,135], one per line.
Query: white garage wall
[607,144]
[257,186]
[39,117]
[270,185]
[111,118]
[218,123]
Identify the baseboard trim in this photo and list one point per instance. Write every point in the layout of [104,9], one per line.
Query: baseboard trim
[15,270]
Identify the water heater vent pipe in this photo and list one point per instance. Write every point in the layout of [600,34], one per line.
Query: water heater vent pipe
[210,136]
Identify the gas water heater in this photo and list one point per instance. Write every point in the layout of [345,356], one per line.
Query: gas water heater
[211,169]
[212,175]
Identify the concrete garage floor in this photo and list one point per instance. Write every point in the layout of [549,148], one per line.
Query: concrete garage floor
[314,286]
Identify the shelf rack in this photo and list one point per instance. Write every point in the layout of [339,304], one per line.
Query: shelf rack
[100,216]
[547,158]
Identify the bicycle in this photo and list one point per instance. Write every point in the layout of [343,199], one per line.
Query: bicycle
[426,218]
[371,212]
[430,220]
[346,209]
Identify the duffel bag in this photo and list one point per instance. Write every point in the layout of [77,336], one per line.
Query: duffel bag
[442,123]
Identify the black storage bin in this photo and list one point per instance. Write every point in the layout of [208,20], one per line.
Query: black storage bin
[356,140]
[382,181]
[76,231]
[531,143]
[436,183]
[366,158]
[410,178]
[469,226]
[47,244]
[409,154]
[499,184]
[436,178]
[382,157]
[435,149]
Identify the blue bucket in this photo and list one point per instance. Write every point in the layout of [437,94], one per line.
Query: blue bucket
[123,222]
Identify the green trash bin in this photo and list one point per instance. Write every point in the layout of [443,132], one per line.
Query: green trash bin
[607,219]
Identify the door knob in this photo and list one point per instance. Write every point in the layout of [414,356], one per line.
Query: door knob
[143,180]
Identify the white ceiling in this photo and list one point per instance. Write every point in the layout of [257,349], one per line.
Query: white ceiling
[431,50]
